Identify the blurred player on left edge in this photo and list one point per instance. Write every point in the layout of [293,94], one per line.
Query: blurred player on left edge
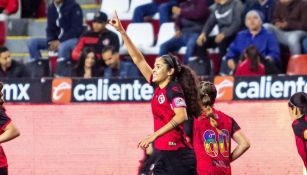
[8,132]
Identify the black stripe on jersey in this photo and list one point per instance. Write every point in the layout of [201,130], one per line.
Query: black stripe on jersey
[299,127]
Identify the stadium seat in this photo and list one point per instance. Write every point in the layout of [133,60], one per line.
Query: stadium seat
[297,65]
[37,28]
[109,6]
[82,2]
[141,34]
[166,32]
[17,27]
[89,8]
[17,44]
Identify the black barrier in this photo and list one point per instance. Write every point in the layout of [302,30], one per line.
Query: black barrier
[67,90]
[27,90]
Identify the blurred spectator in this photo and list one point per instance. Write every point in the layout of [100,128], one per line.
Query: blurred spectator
[290,24]
[265,41]
[250,65]
[226,14]
[33,8]
[162,6]
[86,66]
[190,18]
[117,67]
[64,27]
[97,38]
[10,68]
[7,7]
[305,45]
[264,7]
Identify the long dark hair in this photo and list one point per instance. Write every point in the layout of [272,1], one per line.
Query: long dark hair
[189,83]
[253,54]
[208,95]
[299,100]
[80,65]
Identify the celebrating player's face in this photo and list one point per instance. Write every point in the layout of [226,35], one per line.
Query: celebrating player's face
[160,72]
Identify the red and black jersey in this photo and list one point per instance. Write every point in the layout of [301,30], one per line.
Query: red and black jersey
[212,146]
[4,121]
[163,103]
[299,126]
[97,41]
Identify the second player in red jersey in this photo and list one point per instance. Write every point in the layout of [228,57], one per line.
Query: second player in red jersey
[298,113]
[213,131]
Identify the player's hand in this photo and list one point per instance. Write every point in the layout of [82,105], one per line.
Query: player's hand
[201,39]
[115,22]
[176,10]
[54,45]
[231,64]
[219,38]
[146,141]
[178,34]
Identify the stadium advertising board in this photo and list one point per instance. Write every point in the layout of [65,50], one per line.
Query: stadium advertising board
[67,90]
[100,90]
[259,88]
[26,90]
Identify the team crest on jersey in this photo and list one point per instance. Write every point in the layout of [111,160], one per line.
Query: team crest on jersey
[161,99]
[106,42]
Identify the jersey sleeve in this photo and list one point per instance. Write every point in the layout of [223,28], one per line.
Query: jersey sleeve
[235,127]
[175,96]
[4,119]
[299,127]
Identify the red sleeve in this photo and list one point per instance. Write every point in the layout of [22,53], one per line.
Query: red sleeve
[11,7]
[77,51]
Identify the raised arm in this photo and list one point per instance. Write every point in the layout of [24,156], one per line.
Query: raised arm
[133,51]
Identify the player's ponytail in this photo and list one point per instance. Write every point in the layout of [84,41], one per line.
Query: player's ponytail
[188,82]
[299,100]
[208,95]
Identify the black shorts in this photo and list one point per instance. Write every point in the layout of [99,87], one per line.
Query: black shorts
[3,171]
[179,162]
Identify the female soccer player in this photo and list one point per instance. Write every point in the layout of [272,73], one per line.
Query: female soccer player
[298,113]
[175,98]
[212,132]
[8,132]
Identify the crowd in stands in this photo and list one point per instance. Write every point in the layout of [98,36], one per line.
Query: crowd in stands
[251,37]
